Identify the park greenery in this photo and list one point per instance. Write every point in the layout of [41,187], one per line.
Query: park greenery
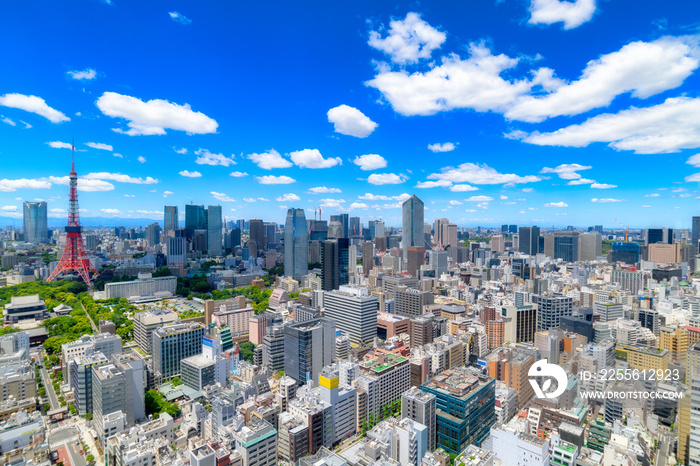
[156,404]
[247,351]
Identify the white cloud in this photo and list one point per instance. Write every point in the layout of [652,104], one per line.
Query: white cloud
[312,158]
[479,199]
[502,197]
[120,178]
[249,199]
[99,145]
[26,125]
[84,184]
[269,160]
[646,206]
[271,179]
[179,18]
[642,68]
[154,116]
[377,197]
[111,211]
[358,205]
[580,181]
[652,195]
[336,203]
[288,197]
[9,208]
[408,40]
[263,199]
[527,190]
[8,121]
[221,197]
[60,145]
[693,178]
[207,158]
[470,210]
[370,162]
[571,13]
[694,160]
[118,155]
[129,195]
[474,83]
[446,147]
[238,174]
[350,121]
[567,171]
[556,204]
[180,151]
[141,159]
[323,190]
[509,203]
[386,178]
[667,127]
[85,75]
[33,104]
[480,174]
[603,186]
[463,188]
[608,199]
[189,174]
[433,184]
[453,202]
[167,193]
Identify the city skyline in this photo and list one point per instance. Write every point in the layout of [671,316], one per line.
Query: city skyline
[193,105]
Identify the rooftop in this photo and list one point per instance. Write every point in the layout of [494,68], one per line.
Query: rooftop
[381,363]
[458,382]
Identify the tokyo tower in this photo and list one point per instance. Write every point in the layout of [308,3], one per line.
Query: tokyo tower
[74,257]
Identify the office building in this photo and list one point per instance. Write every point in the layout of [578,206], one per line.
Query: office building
[173,343]
[528,240]
[146,322]
[566,245]
[465,407]
[232,239]
[195,219]
[145,285]
[590,246]
[629,280]
[695,235]
[308,347]
[109,397]
[343,402]
[273,347]
[384,377]
[153,234]
[421,406]
[257,234]
[658,235]
[296,245]
[410,302]
[177,249]
[550,308]
[171,222]
[81,380]
[513,446]
[35,223]
[437,226]
[626,252]
[693,423]
[257,443]
[412,224]
[608,312]
[354,312]
[438,262]
[414,259]
[17,381]
[131,364]
[511,365]
[367,257]
[329,265]
[520,322]
[642,356]
[214,230]
[497,243]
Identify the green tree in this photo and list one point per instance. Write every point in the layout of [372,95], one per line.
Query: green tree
[90,458]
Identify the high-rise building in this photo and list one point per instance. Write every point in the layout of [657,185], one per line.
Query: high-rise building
[308,347]
[438,262]
[171,221]
[177,249]
[354,227]
[449,235]
[329,265]
[420,406]
[627,252]
[528,242]
[296,245]
[173,343]
[35,223]
[414,259]
[695,236]
[367,257]
[214,230]
[551,308]
[658,235]
[412,225]
[232,239]
[273,348]
[354,312]
[257,443]
[257,233]
[195,218]
[465,401]
[153,234]
[497,243]
[693,376]
[590,246]
[437,226]
[566,245]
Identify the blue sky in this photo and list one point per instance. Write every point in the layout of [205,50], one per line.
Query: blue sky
[527,112]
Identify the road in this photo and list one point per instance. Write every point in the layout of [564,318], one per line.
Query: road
[94,327]
[75,457]
[666,439]
[53,399]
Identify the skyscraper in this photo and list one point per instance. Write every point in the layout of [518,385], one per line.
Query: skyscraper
[214,230]
[354,228]
[329,265]
[344,261]
[367,257]
[566,245]
[170,220]
[696,231]
[257,233]
[658,235]
[412,225]
[529,240]
[308,347]
[354,313]
[194,218]
[590,246]
[153,234]
[439,222]
[296,244]
[35,224]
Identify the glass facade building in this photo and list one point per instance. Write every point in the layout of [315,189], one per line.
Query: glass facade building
[296,245]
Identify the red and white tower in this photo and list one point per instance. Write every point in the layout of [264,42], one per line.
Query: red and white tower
[74,257]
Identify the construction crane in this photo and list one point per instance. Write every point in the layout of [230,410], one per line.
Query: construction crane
[623,226]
